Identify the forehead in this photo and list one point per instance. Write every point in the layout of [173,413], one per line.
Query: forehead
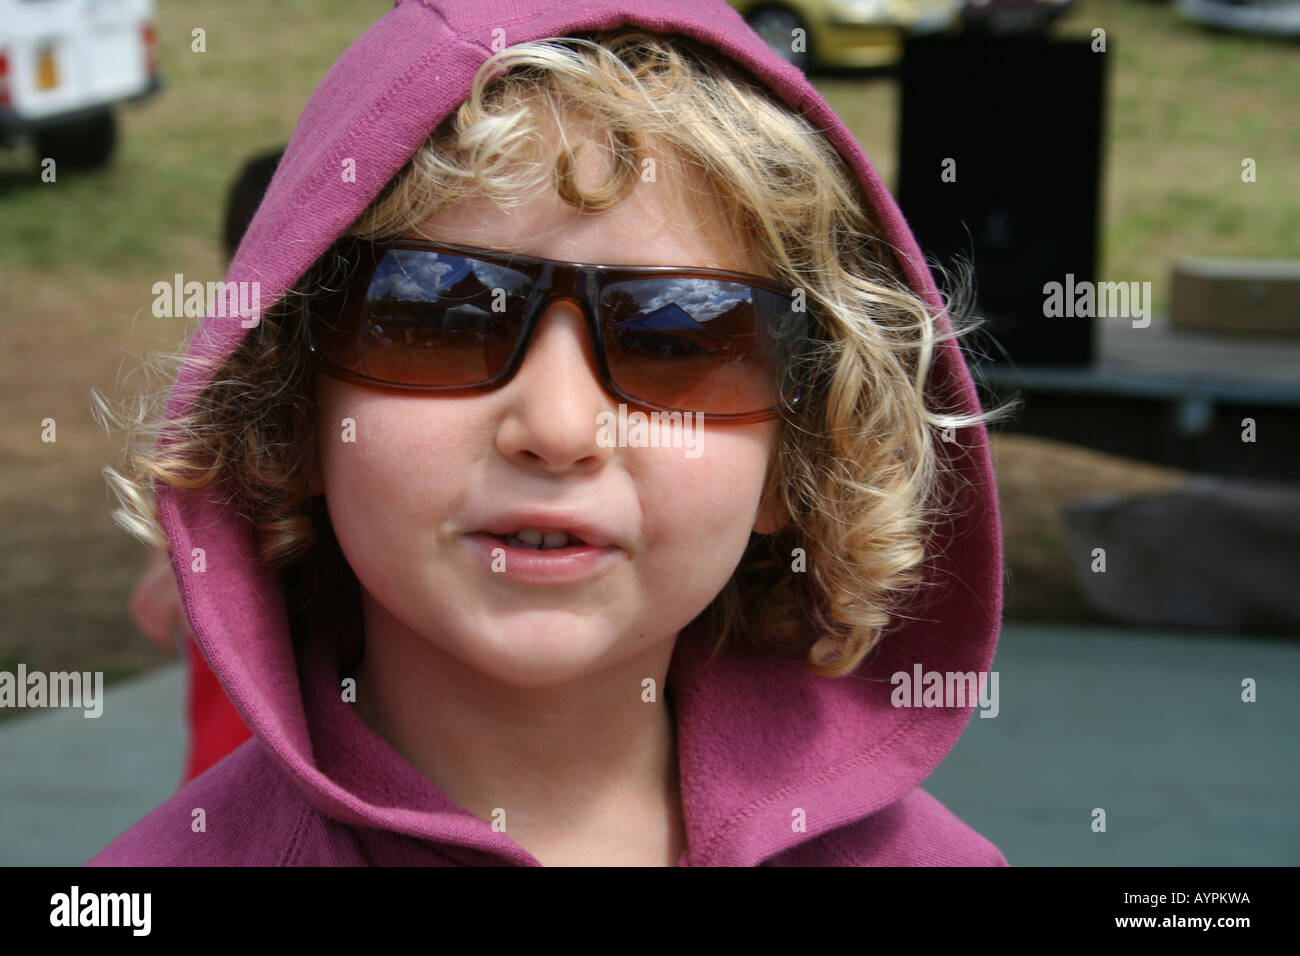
[665,220]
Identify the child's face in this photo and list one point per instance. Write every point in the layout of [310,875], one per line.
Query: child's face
[427,473]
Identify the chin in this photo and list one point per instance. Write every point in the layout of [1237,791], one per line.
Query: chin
[533,656]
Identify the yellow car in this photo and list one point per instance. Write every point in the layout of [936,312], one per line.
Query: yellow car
[846,33]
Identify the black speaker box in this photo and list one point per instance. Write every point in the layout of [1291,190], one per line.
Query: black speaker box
[1016,122]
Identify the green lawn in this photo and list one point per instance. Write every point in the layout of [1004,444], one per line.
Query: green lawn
[1186,107]
[158,209]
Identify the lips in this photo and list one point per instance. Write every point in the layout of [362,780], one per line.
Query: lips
[599,552]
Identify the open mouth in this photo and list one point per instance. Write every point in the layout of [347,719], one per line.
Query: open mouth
[530,539]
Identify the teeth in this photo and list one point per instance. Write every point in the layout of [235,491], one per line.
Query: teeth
[536,540]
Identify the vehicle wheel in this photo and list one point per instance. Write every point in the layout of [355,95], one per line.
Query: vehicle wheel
[82,144]
[776,25]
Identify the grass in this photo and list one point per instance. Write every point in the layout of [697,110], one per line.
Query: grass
[158,208]
[1186,106]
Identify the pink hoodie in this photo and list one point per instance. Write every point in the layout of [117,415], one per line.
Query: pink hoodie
[758,739]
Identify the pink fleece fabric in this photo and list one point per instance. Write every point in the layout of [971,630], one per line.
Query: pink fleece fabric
[758,739]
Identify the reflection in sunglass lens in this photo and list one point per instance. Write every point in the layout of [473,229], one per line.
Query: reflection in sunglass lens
[693,343]
[438,319]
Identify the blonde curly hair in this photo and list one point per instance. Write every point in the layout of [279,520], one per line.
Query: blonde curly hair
[858,473]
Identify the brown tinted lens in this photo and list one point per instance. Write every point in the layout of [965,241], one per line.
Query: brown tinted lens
[698,344]
[429,319]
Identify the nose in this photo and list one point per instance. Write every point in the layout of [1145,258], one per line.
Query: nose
[553,401]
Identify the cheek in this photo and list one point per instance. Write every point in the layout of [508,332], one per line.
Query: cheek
[388,466]
[707,505]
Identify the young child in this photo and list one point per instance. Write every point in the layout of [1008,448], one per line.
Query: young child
[599,458]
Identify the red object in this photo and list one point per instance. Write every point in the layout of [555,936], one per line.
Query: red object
[150,57]
[215,726]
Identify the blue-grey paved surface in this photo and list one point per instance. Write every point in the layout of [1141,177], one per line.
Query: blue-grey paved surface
[69,785]
[1148,726]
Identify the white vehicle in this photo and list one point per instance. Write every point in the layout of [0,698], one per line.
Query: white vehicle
[64,64]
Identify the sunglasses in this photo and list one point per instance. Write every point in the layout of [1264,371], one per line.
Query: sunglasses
[448,319]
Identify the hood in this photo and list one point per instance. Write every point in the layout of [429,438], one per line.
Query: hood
[756,736]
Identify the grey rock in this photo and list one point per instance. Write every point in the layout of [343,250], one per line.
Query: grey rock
[1214,553]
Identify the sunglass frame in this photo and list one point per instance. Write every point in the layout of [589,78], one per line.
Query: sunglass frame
[577,282]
